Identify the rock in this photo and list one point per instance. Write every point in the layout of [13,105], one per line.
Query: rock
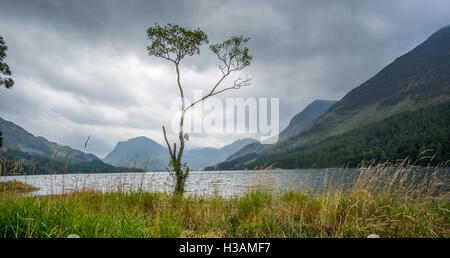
[373,236]
[73,236]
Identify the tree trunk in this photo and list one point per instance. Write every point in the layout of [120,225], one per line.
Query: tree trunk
[180,180]
[181,173]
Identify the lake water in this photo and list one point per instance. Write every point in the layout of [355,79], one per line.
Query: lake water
[225,183]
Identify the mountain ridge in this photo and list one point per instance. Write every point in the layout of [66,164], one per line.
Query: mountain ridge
[299,122]
[23,153]
[417,79]
[421,136]
[306,117]
[144,152]
[17,138]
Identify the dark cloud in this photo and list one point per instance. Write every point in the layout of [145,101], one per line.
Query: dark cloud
[81,66]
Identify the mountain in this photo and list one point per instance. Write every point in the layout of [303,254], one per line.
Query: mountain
[422,135]
[306,118]
[138,151]
[24,153]
[417,80]
[298,123]
[17,138]
[205,157]
[229,149]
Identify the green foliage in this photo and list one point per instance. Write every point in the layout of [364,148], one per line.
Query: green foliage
[233,53]
[294,197]
[174,42]
[4,68]
[253,202]
[167,226]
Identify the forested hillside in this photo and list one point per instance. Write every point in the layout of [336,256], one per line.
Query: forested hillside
[405,135]
[18,162]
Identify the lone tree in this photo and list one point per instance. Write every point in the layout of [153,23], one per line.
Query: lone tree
[174,43]
[4,70]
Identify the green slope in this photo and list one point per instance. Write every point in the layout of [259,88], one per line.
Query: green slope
[17,138]
[24,153]
[404,135]
[297,124]
[419,78]
[306,118]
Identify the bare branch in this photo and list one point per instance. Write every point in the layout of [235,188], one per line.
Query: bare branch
[238,83]
[167,142]
[233,56]
[174,149]
[210,93]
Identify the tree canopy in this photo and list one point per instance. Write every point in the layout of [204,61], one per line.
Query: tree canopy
[173,42]
[4,68]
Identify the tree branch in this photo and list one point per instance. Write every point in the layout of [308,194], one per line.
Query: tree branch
[237,84]
[168,144]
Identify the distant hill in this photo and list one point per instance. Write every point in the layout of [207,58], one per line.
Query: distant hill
[306,118]
[418,79]
[298,123]
[139,152]
[24,153]
[17,138]
[205,157]
[142,151]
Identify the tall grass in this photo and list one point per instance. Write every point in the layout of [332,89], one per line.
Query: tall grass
[391,200]
[10,167]
[15,187]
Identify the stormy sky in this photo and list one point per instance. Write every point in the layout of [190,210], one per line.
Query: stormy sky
[81,67]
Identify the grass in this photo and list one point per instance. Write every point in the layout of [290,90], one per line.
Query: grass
[382,200]
[14,186]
